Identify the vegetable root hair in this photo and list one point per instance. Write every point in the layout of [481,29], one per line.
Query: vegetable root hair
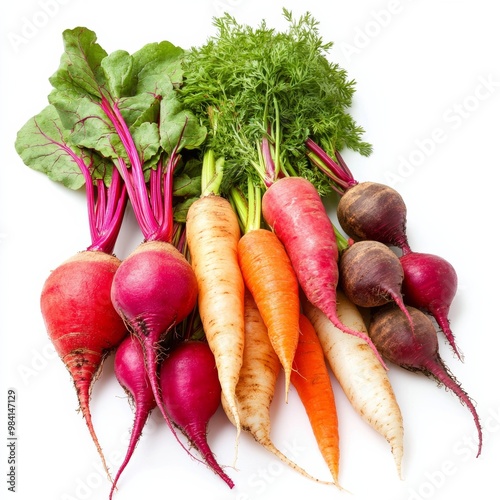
[82,323]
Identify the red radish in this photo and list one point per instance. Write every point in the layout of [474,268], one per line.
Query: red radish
[130,372]
[416,351]
[81,321]
[371,275]
[430,283]
[294,210]
[366,210]
[191,393]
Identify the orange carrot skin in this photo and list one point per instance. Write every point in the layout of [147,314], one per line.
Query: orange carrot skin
[269,275]
[311,379]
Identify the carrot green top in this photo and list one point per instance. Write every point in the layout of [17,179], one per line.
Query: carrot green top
[251,85]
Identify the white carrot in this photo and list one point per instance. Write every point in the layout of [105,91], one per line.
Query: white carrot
[257,383]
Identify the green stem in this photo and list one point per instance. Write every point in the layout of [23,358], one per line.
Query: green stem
[211,173]
[342,242]
[249,207]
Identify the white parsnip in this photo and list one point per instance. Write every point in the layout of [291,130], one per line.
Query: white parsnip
[360,374]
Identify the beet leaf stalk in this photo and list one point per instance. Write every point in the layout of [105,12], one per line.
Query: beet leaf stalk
[83,326]
[126,105]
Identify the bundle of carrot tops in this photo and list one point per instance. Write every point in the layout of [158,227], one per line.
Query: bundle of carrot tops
[226,154]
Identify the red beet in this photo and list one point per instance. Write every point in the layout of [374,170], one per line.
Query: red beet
[153,290]
[416,351]
[191,393]
[82,323]
[430,283]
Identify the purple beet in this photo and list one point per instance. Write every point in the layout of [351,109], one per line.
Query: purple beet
[371,275]
[373,211]
[366,210]
[416,351]
[430,284]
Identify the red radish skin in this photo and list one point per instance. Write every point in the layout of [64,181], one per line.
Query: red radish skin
[130,372]
[82,322]
[416,351]
[294,210]
[373,211]
[371,275]
[154,289]
[191,393]
[430,283]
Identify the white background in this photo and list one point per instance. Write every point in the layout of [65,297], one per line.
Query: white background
[428,95]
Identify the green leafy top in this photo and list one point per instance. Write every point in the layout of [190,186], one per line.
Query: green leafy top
[43,144]
[124,112]
[249,84]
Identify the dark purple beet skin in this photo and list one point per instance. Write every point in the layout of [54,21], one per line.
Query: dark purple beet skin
[373,211]
[371,275]
[416,351]
[430,284]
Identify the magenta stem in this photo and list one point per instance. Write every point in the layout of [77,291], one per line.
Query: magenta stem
[339,172]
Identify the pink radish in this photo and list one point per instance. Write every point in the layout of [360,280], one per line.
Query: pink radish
[430,283]
[294,210]
[131,373]
[416,351]
[191,393]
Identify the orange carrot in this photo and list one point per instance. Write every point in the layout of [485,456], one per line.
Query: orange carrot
[257,382]
[268,274]
[311,379]
[213,231]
